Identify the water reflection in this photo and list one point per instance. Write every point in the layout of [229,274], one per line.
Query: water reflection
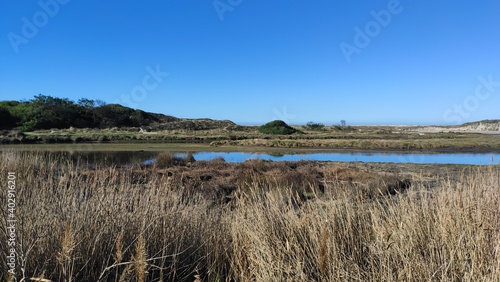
[119,158]
[441,158]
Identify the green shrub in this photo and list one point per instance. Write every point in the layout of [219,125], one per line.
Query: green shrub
[315,126]
[30,125]
[277,127]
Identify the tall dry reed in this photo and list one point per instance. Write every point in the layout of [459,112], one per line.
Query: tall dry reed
[107,224]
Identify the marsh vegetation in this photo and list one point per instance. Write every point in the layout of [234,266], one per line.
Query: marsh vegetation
[50,120]
[257,220]
[372,138]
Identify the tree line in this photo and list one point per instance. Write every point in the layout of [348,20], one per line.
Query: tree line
[46,112]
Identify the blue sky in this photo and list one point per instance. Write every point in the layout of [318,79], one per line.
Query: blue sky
[252,61]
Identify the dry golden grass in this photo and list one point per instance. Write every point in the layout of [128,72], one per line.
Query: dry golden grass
[139,259]
[109,224]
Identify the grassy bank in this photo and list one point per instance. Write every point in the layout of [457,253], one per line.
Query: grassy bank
[258,220]
[361,137]
[458,142]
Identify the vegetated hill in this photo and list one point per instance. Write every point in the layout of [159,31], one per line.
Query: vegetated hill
[160,118]
[46,112]
[194,124]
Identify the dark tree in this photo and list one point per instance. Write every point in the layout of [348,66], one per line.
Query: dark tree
[7,121]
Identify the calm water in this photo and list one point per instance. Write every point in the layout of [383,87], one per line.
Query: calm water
[441,158]
[130,157]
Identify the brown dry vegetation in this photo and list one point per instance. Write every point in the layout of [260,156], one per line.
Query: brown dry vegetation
[258,220]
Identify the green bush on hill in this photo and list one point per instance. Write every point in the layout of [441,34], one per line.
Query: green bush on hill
[277,127]
[314,126]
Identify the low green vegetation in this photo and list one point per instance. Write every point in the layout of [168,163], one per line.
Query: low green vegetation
[314,126]
[250,137]
[343,128]
[277,127]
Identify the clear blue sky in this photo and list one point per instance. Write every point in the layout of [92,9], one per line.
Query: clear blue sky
[252,61]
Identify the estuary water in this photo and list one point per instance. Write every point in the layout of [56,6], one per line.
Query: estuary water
[139,156]
[130,157]
[422,158]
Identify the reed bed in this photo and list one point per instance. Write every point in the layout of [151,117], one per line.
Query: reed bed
[108,224]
